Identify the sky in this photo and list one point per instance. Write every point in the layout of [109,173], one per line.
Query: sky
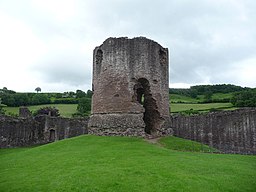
[49,43]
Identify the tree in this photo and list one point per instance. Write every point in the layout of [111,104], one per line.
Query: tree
[245,98]
[208,96]
[6,91]
[2,111]
[8,99]
[21,99]
[89,93]
[40,99]
[84,105]
[38,89]
[80,94]
[193,93]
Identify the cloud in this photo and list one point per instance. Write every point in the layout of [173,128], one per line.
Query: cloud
[209,41]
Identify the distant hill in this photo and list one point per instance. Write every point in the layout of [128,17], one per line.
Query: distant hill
[221,93]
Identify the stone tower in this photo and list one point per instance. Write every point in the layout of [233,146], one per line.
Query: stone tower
[130,88]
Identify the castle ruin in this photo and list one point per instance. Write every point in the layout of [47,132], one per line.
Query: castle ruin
[130,84]
[130,88]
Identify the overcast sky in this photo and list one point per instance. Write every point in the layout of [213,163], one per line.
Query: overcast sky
[49,43]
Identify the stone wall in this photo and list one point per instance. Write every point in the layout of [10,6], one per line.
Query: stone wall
[131,86]
[39,130]
[20,132]
[229,131]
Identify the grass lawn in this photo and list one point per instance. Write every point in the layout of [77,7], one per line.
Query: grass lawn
[91,163]
[177,107]
[66,110]
[180,144]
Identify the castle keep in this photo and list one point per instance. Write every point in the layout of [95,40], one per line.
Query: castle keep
[131,88]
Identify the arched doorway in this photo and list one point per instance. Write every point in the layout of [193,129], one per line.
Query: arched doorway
[144,97]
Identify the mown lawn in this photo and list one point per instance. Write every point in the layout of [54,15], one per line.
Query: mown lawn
[66,110]
[91,163]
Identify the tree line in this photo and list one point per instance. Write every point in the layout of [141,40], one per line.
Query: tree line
[241,96]
[196,90]
[245,98]
[13,99]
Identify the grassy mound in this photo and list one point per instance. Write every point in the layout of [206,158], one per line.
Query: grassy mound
[91,163]
[176,143]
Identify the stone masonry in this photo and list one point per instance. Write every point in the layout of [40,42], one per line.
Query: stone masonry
[130,88]
[20,131]
[228,131]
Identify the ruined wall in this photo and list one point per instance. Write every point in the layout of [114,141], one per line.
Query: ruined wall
[39,130]
[57,128]
[131,87]
[229,131]
[20,132]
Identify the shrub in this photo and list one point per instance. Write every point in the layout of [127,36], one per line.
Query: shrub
[2,111]
[38,99]
[244,99]
[78,114]
[51,111]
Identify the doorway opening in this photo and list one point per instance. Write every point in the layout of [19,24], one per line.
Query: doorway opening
[52,135]
[151,115]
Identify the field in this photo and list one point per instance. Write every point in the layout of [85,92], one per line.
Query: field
[175,98]
[178,107]
[178,103]
[222,95]
[66,110]
[91,163]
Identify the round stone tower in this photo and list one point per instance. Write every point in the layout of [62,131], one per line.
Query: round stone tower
[130,88]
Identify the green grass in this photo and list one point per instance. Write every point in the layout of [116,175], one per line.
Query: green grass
[222,96]
[91,163]
[176,98]
[180,144]
[178,107]
[66,110]
[179,103]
